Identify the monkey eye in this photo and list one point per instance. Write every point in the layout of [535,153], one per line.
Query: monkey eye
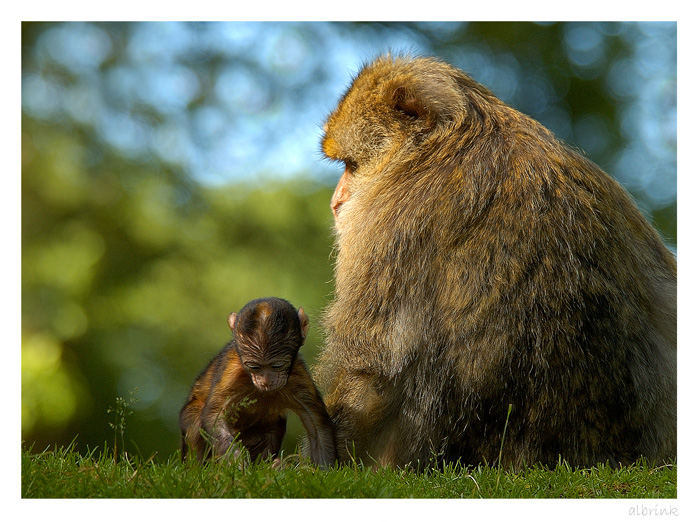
[253,367]
[278,365]
[350,165]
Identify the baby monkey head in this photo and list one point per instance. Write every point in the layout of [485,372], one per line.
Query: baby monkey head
[268,333]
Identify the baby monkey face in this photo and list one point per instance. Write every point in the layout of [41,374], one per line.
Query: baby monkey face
[268,333]
[267,376]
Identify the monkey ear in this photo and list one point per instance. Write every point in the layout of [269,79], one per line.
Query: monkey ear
[304,321]
[431,99]
[232,320]
[407,102]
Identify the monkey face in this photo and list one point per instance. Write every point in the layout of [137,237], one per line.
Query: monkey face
[267,376]
[380,127]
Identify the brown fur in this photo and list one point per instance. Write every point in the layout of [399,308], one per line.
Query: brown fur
[483,263]
[226,398]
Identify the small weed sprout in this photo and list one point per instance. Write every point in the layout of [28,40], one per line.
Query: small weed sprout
[500,451]
[233,410]
[120,411]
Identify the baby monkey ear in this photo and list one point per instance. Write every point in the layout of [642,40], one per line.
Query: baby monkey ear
[232,320]
[304,322]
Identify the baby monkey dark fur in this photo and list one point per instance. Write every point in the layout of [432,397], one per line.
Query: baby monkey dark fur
[248,387]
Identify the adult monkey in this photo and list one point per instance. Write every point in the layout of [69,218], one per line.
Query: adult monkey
[483,263]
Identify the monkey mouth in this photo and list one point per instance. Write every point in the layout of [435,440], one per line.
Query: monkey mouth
[335,208]
[269,388]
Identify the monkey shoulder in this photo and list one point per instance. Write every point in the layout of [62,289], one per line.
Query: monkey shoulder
[228,375]
[300,373]
[204,380]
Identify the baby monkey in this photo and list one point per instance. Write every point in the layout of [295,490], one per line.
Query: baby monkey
[248,387]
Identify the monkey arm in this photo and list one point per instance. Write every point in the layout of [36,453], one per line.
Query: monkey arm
[305,400]
[222,407]
[215,425]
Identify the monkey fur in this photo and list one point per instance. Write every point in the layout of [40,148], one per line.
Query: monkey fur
[482,263]
[251,383]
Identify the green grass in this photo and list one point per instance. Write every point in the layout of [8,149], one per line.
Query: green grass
[66,473]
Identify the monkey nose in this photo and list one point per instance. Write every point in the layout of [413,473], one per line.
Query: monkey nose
[341,193]
[336,203]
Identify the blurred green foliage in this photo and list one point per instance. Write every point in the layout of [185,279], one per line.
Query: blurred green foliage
[128,276]
[132,258]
